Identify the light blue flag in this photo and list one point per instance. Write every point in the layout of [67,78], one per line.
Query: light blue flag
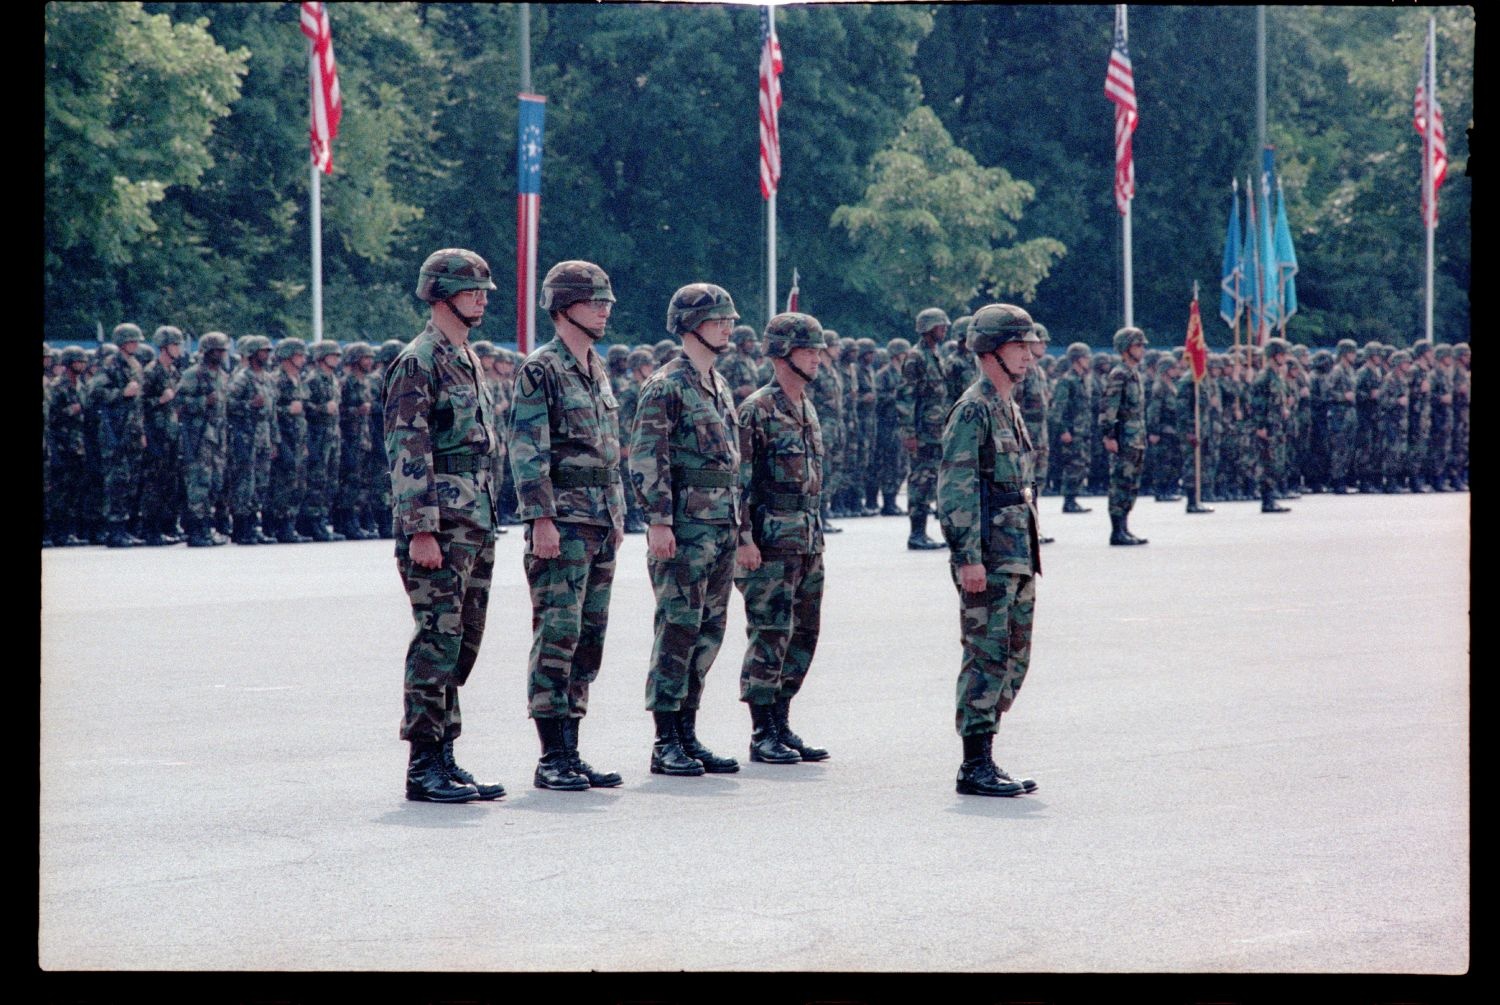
[1231,276]
[1250,278]
[1286,257]
[1269,270]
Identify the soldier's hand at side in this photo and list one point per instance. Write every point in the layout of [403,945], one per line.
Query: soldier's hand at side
[1153,439]
[257,401]
[364,409]
[295,408]
[545,541]
[910,443]
[971,577]
[748,556]
[1348,395]
[167,396]
[211,400]
[660,541]
[1066,436]
[74,408]
[332,408]
[1111,444]
[143,442]
[1263,434]
[618,537]
[132,389]
[425,551]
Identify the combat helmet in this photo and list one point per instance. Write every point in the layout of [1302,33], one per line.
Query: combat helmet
[897,346]
[1079,350]
[793,330]
[1127,337]
[323,348]
[124,333]
[388,351]
[218,341]
[1041,332]
[144,353]
[866,345]
[664,350]
[1442,351]
[484,348]
[996,324]
[960,328]
[356,351]
[74,354]
[639,357]
[1400,356]
[616,357]
[574,282]
[742,335]
[1277,347]
[1345,345]
[289,347]
[450,271]
[930,318]
[696,303]
[167,335]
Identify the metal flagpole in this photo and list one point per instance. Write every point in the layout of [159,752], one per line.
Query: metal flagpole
[1129,205]
[1197,429]
[1428,149]
[771,310]
[316,195]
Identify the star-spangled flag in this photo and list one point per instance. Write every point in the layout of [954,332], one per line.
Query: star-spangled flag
[1119,87]
[770,104]
[1439,147]
[1232,275]
[327,105]
[528,212]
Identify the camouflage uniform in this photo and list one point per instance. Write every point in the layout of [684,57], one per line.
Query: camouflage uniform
[65,415]
[1368,463]
[321,410]
[1033,396]
[122,430]
[203,407]
[1270,412]
[1122,418]
[1458,465]
[1419,424]
[161,472]
[1073,412]
[355,444]
[827,392]
[1162,422]
[1339,395]
[288,487]
[868,484]
[253,438]
[1440,442]
[1395,420]
[738,369]
[439,434]
[921,404]
[890,455]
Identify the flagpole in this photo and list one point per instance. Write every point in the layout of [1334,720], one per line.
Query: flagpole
[771,311]
[1125,235]
[316,196]
[1428,142]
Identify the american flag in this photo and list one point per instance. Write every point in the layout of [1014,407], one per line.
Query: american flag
[1119,87]
[528,212]
[770,104]
[1439,141]
[327,106]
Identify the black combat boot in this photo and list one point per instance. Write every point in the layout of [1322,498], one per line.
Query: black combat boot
[977,776]
[667,755]
[555,768]
[287,533]
[343,523]
[1268,504]
[687,734]
[486,790]
[827,517]
[765,739]
[244,529]
[1070,505]
[428,781]
[258,531]
[889,507]
[1029,785]
[321,531]
[918,540]
[1194,506]
[199,535]
[596,779]
[780,709]
[1125,526]
[119,537]
[1118,534]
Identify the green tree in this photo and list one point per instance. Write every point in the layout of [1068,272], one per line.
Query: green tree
[930,226]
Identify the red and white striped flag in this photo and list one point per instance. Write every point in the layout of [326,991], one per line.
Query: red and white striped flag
[1119,87]
[1439,165]
[770,104]
[327,106]
[792,294]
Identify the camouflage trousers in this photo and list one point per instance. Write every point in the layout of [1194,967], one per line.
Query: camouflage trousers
[1124,478]
[202,473]
[995,628]
[1439,446]
[248,474]
[353,489]
[1367,464]
[1341,435]
[321,490]
[288,484]
[122,484]
[569,614]
[1166,464]
[1204,461]
[1268,457]
[69,479]
[783,612]
[1419,433]
[921,484]
[890,462]
[161,478]
[692,606]
[1073,465]
[448,605]
[1392,447]
[377,481]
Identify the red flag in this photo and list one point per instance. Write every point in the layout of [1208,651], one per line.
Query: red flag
[1196,348]
[791,297]
[1439,165]
[1119,87]
[770,104]
[327,106]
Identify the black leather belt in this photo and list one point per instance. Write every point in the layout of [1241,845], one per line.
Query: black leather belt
[453,464]
[703,478]
[578,478]
[789,501]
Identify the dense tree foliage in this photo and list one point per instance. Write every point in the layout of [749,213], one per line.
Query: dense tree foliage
[949,154]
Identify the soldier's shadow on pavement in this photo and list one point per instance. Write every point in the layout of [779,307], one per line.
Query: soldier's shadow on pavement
[697,786]
[807,772]
[1005,807]
[540,801]
[437,816]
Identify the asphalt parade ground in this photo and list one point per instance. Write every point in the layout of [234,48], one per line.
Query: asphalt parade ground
[1251,739]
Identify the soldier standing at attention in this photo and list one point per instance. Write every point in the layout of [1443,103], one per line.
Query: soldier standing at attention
[161,479]
[828,398]
[116,392]
[323,440]
[780,554]
[987,510]
[253,438]
[738,364]
[565,457]
[203,397]
[352,518]
[1343,424]
[65,417]
[890,455]
[684,466]
[1073,415]
[1034,395]
[288,484]
[1122,427]
[439,434]
[1270,413]
[640,364]
[921,403]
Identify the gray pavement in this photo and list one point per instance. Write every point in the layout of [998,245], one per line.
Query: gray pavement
[1251,738]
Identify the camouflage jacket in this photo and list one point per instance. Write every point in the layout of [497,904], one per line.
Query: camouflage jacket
[202,398]
[1338,383]
[685,426]
[1072,406]
[161,420]
[122,420]
[1367,382]
[563,417]
[255,423]
[1270,402]
[959,371]
[322,389]
[1394,412]
[781,473]
[864,375]
[922,400]
[1033,396]
[355,390]
[739,373]
[985,441]
[1161,408]
[64,430]
[438,412]
[1419,390]
[291,429]
[827,391]
[1122,407]
[887,387]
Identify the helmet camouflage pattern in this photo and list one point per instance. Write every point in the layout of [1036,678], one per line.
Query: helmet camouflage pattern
[1463,350]
[1277,347]
[484,348]
[1400,356]
[960,328]
[1041,331]
[126,332]
[74,354]
[664,350]
[696,303]
[930,318]
[793,330]
[640,357]
[323,348]
[1079,350]
[618,353]
[289,347]
[167,335]
[1442,351]
[449,272]
[574,282]
[356,351]
[897,346]
[742,335]
[996,324]
[1420,347]
[866,345]
[388,351]
[1129,336]
[144,353]
[1345,345]
[218,340]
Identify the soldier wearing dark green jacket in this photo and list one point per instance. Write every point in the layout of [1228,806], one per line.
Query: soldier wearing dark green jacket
[1072,415]
[987,509]
[439,435]
[1122,428]
[203,402]
[780,553]
[921,404]
[116,393]
[1271,405]
[684,468]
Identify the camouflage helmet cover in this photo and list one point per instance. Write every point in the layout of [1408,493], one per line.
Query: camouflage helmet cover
[1345,345]
[289,347]
[259,342]
[640,357]
[617,353]
[212,341]
[450,271]
[1079,350]
[793,330]
[167,335]
[1442,351]
[484,348]
[664,350]
[1129,336]
[960,328]
[574,282]
[1277,347]
[126,332]
[323,348]
[1400,356]
[144,353]
[897,346]
[1041,331]
[389,350]
[866,344]
[696,303]
[1463,349]
[742,334]
[996,324]
[356,351]
[74,354]
[930,318]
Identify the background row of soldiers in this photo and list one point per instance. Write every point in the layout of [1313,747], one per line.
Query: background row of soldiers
[284,442]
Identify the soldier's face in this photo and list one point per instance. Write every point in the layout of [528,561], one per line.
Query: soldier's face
[1135,352]
[805,359]
[1017,357]
[1038,349]
[715,331]
[172,350]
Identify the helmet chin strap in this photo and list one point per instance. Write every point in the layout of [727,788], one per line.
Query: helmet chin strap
[716,350]
[594,334]
[1014,379]
[468,322]
[797,369]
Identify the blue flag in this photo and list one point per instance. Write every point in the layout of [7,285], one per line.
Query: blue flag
[1231,276]
[1286,258]
[1251,286]
[1269,270]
